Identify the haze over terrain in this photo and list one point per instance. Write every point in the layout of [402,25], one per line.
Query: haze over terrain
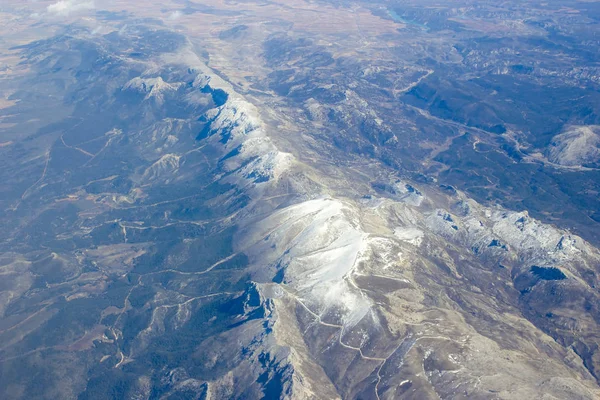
[299,199]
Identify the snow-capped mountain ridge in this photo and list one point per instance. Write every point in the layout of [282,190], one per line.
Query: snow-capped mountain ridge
[331,253]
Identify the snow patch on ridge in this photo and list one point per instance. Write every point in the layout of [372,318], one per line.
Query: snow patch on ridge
[512,236]
[151,87]
[316,245]
[250,155]
[164,166]
[410,235]
[577,146]
[233,129]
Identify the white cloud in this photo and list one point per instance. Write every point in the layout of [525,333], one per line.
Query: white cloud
[175,15]
[66,7]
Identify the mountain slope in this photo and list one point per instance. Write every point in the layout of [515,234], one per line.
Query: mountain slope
[167,237]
